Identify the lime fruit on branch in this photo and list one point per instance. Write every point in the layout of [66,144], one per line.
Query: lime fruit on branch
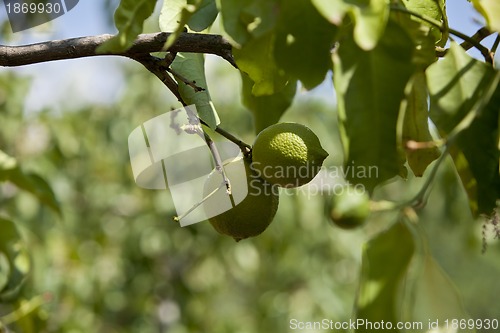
[250,208]
[350,208]
[287,154]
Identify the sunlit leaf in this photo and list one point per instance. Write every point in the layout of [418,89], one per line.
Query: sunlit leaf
[174,17]
[434,9]
[332,10]
[129,19]
[303,50]
[490,9]
[246,19]
[256,59]
[368,123]
[435,297]
[370,22]
[267,109]
[30,182]
[457,85]
[382,272]
[14,260]
[204,16]
[479,144]
[192,67]
[416,126]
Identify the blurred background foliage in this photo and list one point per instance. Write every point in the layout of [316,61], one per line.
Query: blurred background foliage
[113,260]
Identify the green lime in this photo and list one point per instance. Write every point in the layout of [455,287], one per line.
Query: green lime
[252,208]
[287,154]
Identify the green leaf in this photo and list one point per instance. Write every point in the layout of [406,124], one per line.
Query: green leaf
[425,42]
[434,9]
[436,298]
[490,9]
[30,182]
[256,59]
[455,85]
[204,15]
[479,144]
[246,19]
[174,16]
[267,109]
[416,125]
[332,10]
[459,87]
[129,19]
[370,17]
[303,50]
[7,163]
[192,67]
[13,251]
[368,123]
[384,264]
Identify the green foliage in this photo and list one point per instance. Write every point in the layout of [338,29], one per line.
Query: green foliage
[14,261]
[416,125]
[173,17]
[303,51]
[434,9]
[266,109]
[105,256]
[490,10]
[459,90]
[129,19]
[380,285]
[369,123]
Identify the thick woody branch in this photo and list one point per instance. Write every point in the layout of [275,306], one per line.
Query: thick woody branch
[11,56]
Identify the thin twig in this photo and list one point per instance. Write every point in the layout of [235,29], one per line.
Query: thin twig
[481,34]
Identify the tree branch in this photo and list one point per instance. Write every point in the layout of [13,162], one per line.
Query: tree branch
[11,56]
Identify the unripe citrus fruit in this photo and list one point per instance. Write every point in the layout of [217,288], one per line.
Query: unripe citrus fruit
[287,154]
[256,201]
[350,208]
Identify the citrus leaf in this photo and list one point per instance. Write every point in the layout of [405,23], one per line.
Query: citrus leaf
[12,249]
[455,85]
[483,163]
[4,271]
[204,15]
[382,273]
[189,65]
[246,19]
[192,67]
[416,125]
[303,51]
[30,182]
[436,297]
[267,109]
[490,9]
[434,9]
[174,16]
[256,59]
[332,10]
[424,53]
[129,19]
[7,163]
[368,124]
[370,21]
